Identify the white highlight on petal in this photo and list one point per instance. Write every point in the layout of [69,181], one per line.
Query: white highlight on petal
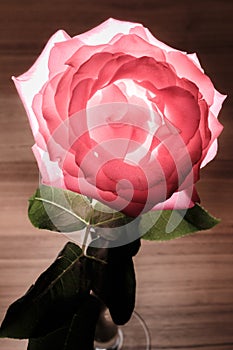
[195,59]
[50,172]
[179,200]
[217,104]
[104,32]
[30,83]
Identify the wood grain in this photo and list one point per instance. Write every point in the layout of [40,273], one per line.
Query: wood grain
[185,287]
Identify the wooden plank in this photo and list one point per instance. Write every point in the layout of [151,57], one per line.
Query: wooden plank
[185,287]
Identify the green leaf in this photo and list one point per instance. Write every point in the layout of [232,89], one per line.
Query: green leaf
[61,210]
[169,224]
[77,331]
[54,296]
[104,216]
[120,293]
[115,282]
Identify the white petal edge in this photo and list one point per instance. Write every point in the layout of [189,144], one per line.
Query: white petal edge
[218,101]
[105,31]
[31,82]
[50,172]
[179,200]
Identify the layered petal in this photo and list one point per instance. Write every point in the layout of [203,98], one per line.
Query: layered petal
[121,117]
[30,83]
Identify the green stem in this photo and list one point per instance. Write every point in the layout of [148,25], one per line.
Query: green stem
[84,244]
[87,232]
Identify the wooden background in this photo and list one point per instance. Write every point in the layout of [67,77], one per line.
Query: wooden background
[185,287]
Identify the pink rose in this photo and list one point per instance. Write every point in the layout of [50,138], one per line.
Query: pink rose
[121,117]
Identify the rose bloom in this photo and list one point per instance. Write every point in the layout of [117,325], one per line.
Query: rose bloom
[121,117]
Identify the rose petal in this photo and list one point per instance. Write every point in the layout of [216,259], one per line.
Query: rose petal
[49,110]
[50,172]
[181,109]
[104,32]
[121,117]
[80,95]
[31,82]
[136,46]
[185,68]
[217,104]
[43,134]
[145,67]
[179,200]
[60,53]
[216,129]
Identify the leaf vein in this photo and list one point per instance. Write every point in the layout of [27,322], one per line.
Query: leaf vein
[61,207]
